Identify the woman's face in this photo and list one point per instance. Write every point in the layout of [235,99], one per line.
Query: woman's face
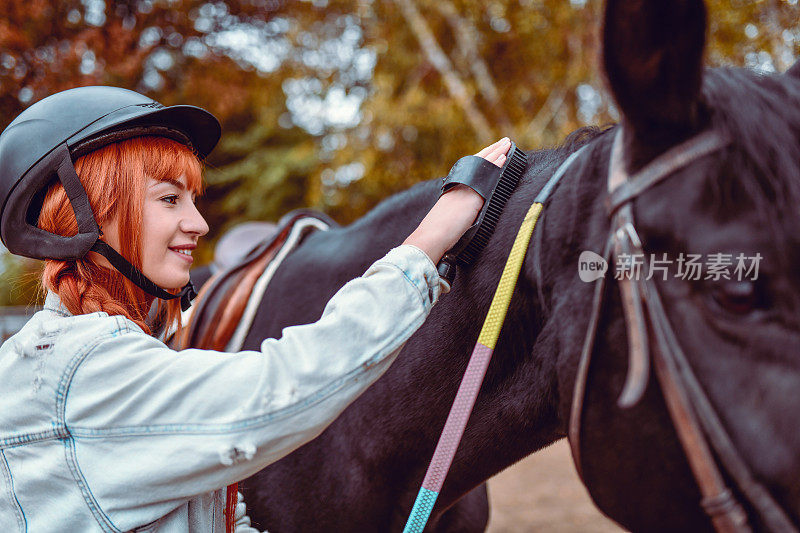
[171,228]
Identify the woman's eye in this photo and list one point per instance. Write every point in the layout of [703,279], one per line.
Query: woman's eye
[172,199]
[735,297]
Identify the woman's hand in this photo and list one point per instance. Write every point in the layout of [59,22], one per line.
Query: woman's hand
[455,211]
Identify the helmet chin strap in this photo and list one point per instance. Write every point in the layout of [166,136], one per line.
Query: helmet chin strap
[186,294]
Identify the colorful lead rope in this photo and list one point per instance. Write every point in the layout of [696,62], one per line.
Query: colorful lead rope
[478,363]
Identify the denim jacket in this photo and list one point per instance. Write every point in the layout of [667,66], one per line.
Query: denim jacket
[105,428]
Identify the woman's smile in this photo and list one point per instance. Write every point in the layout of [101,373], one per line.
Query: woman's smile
[185,251]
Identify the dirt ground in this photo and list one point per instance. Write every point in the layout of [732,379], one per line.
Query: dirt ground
[543,493]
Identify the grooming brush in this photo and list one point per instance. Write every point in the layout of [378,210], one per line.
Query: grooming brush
[470,244]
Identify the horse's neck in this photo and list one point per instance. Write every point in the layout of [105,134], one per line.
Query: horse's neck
[574,221]
[517,411]
[394,426]
[391,221]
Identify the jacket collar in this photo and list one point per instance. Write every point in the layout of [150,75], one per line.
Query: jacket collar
[53,303]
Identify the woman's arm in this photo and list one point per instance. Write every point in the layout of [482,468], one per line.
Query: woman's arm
[153,427]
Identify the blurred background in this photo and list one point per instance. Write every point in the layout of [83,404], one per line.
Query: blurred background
[338,104]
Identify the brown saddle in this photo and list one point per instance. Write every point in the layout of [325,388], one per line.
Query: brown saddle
[220,305]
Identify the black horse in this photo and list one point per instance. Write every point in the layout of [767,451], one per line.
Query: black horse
[364,471]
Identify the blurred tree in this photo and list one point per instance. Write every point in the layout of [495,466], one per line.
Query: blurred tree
[19,280]
[453,75]
[337,104]
[231,58]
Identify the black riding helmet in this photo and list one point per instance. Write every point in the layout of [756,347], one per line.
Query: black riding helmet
[40,146]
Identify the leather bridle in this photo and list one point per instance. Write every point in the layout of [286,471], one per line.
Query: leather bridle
[697,424]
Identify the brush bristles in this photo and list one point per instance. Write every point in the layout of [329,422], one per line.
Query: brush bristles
[505,187]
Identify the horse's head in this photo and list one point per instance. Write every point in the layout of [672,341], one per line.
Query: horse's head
[737,207]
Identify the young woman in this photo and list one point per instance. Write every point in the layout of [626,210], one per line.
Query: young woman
[102,426]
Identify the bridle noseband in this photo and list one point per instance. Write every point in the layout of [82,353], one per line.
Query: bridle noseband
[696,422]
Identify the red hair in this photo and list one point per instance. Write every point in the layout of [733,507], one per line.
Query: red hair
[115,179]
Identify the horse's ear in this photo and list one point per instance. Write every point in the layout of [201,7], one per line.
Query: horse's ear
[653,61]
[794,71]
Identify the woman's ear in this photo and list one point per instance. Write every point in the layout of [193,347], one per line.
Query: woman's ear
[653,62]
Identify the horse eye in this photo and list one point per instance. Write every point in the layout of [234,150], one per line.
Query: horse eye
[735,297]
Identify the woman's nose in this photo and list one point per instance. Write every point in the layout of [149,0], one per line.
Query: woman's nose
[193,221]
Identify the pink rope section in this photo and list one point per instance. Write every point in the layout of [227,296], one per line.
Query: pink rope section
[457,419]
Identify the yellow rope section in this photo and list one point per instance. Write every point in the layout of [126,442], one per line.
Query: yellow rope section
[502,295]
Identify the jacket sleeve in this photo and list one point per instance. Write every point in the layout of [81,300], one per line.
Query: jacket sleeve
[176,424]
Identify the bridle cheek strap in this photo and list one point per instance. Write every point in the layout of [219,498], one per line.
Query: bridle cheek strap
[696,423]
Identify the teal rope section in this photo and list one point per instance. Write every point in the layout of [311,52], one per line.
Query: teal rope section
[421,511]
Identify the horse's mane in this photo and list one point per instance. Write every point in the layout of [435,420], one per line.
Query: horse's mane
[760,114]
[421,196]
